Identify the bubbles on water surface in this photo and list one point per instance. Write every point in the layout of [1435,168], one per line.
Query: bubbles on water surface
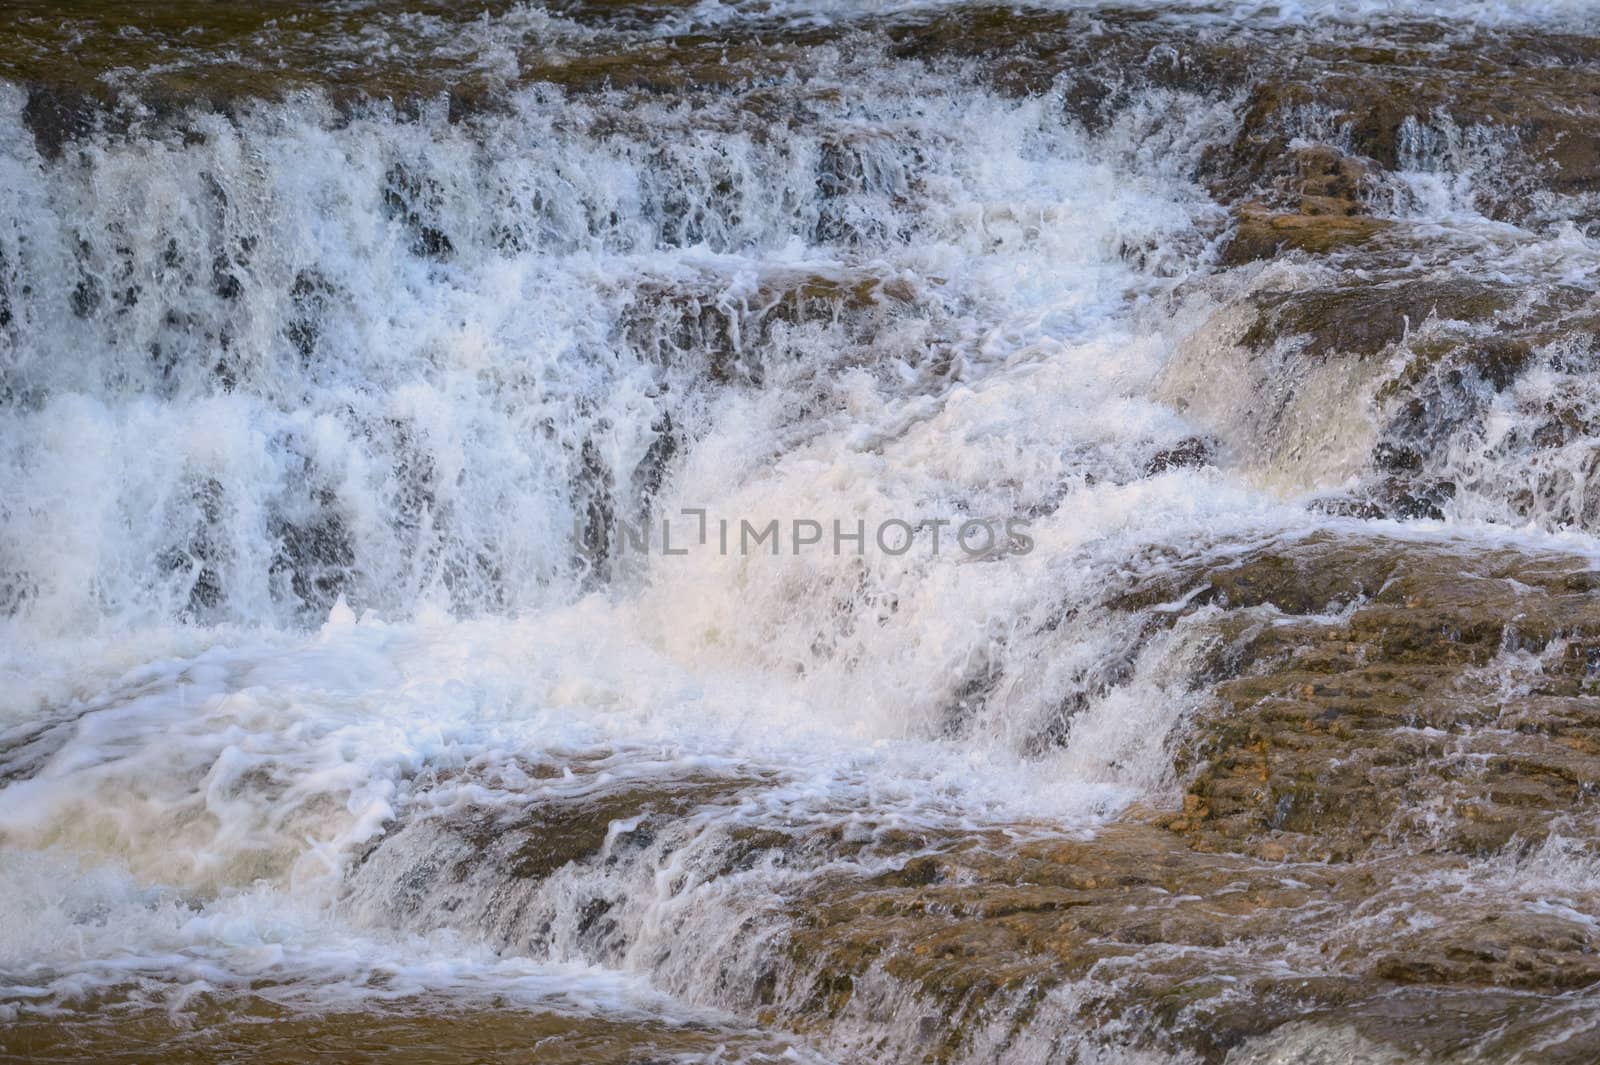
[322,421]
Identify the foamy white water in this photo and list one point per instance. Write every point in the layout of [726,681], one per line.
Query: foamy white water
[322,429]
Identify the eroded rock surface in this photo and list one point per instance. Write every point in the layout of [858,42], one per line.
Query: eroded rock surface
[1398,762]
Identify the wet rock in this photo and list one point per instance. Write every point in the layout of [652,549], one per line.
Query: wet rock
[57,115]
[1394,725]
[1191,452]
[225,1026]
[542,838]
[1329,214]
[651,473]
[1176,950]
[1341,506]
[1368,707]
[415,200]
[1423,102]
[479,864]
[1400,732]
[1261,234]
[1364,319]
[1330,181]
[314,558]
[1098,62]
[723,325]
[1451,381]
[686,63]
[592,492]
[1411,499]
[5,291]
[310,296]
[207,552]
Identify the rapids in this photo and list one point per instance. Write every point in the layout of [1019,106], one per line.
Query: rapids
[346,350]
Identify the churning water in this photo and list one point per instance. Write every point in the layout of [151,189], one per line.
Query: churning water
[332,678]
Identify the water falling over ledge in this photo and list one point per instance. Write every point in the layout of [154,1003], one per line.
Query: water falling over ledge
[344,349]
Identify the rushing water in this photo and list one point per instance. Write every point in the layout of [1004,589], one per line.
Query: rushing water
[333,683]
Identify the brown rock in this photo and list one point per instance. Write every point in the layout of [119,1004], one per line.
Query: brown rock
[1260,234]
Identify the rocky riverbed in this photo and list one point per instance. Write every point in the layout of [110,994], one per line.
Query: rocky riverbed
[342,346]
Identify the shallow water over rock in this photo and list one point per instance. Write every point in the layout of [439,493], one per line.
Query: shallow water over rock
[383,384]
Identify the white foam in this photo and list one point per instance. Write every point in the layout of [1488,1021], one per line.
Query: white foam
[1574,14]
[354,479]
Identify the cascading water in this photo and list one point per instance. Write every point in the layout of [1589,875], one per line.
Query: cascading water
[366,656]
